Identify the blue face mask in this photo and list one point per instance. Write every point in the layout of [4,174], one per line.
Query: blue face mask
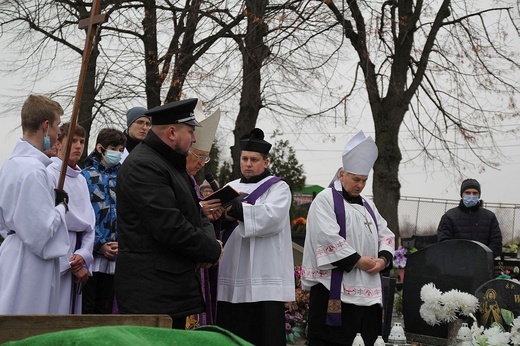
[470,201]
[113,157]
[46,143]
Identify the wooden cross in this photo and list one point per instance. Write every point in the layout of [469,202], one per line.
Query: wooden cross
[91,24]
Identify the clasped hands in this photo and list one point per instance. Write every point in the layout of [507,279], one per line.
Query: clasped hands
[370,264]
[77,266]
[109,250]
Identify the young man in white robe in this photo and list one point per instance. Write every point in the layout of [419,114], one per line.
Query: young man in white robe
[80,221]
[343,271]
[256,275]
[34,215]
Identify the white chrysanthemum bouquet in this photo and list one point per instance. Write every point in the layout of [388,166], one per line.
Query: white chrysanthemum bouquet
[441,307]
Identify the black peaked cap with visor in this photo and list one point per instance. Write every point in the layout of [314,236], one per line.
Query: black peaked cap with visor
[178,112]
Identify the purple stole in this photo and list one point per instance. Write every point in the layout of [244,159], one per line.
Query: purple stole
[251,199]
[203,318]
[334,305]
[196,187]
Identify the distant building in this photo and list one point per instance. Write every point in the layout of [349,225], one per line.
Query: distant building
[306,195]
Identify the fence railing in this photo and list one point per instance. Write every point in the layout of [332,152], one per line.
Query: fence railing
[421,216]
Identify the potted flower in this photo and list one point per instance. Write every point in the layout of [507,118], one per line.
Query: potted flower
[447,307]
[400,261]
[298,225]
[296,313]
[298,230]
[510,250]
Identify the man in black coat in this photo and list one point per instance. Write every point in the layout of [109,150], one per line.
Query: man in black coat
[163,235]
[470,220]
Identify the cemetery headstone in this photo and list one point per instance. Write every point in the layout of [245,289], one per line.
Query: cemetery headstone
[508,265]
[499,301]
[455,264]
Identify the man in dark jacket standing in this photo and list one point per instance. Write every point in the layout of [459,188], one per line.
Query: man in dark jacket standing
[138,125]
[163,235]
[470,220]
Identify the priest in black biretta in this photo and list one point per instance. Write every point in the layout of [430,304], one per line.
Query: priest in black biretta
[256,272]
[174,113]
[254,141]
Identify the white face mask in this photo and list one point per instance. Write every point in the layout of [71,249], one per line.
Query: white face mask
[112,157]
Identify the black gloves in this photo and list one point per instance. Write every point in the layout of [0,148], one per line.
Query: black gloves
[62,197]
[236,211]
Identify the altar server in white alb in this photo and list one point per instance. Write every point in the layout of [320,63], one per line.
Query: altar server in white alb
[256,275]
[34,215]
[80,221]
[347,245]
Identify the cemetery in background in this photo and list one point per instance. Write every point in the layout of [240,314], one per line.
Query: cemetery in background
[420,216]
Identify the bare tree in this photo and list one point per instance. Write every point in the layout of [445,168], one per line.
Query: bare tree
[254,52]
[52,29]
[421,67]
[122,48]
[435,62]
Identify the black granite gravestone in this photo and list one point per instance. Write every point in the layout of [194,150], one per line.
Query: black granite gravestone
[499,301]
[459,264]
[508,265]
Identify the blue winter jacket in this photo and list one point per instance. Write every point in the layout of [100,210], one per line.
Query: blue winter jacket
[101,182]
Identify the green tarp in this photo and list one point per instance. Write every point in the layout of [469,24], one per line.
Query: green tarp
[133,335]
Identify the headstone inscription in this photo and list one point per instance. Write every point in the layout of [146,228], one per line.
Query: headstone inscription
[499,302]
[453,264]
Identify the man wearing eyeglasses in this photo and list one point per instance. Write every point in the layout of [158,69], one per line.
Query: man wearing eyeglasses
[163,234]
[198,156]
[195,161]
[138,125]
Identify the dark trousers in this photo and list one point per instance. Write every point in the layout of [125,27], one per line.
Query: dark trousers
[260,323]
[98,294]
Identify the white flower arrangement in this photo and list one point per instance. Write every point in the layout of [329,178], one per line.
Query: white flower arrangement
[441,307]
[493,336]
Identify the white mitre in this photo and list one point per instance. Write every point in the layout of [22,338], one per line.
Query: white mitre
[205,135]
[198,112]
[359,154]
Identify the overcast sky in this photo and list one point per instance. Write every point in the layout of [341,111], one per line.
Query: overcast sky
[321,157]
[319,150]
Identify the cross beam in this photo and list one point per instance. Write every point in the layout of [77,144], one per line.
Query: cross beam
[91,23]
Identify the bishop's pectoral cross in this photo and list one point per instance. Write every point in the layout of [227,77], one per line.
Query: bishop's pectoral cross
[367,222]
[90,24]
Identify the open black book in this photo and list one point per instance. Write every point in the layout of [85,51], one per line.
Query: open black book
[226,195]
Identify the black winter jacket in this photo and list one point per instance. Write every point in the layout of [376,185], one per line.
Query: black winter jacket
[163,234]
[475,223]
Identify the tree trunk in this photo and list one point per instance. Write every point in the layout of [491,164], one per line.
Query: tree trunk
[185,55]
[153,84]
[254,52]
[386,186]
